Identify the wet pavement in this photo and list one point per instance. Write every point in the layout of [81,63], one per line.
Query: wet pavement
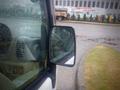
[87,37]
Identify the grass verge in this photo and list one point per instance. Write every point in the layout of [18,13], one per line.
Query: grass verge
[102,69]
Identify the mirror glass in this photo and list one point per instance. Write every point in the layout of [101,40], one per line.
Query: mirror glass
[62,45]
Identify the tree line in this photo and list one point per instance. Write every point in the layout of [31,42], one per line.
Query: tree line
[97,18]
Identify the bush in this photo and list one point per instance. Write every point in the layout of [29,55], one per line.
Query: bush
[73,17]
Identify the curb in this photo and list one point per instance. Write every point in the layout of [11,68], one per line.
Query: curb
[92,23]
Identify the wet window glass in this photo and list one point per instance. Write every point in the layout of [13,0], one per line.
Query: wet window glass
[23,25]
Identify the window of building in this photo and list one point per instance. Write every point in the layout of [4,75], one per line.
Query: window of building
[56,2]
[85,3]
[93,5]
[102,5]
[76,3]
[72,3]
[107,5]
[89,4]
[68,3]
[64,2]
[60,2]
[119,17]
[119,6]
[111,5]
[80,4]
[98,4]
[116,5]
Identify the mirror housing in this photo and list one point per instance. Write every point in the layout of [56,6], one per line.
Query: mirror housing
[62,46]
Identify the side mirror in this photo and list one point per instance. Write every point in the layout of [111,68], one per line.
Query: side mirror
[62,46]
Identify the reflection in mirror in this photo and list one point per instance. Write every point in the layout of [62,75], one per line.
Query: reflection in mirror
[62,45]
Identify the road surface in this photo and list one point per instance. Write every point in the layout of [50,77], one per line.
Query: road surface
[87,37]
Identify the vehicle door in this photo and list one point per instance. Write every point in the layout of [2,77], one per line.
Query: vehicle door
[28,56]
[23,45]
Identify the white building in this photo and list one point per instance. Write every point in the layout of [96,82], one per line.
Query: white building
[89,7]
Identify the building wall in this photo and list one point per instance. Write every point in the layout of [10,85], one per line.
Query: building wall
[94,7]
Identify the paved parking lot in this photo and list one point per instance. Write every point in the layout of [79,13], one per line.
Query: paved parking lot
[87,37]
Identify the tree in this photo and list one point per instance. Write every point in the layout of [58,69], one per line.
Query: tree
[96,18]
[108,19]
[91,18]
[68,16]
[78,18]
[118,18]
[114,19]
[103,18]
[84,17]
[73,17]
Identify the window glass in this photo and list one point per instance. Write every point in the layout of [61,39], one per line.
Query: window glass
[89,4]
[93,5]
[107,5]
[116,5]
[85,3]
[64,2]
[76,3]
[102,5]
[60,2]
[98,4]
[111,5]
[56,2]
[68,3]
[72,3]
[23,25]
[80,3]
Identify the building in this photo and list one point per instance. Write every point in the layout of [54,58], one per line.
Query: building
[89,7]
